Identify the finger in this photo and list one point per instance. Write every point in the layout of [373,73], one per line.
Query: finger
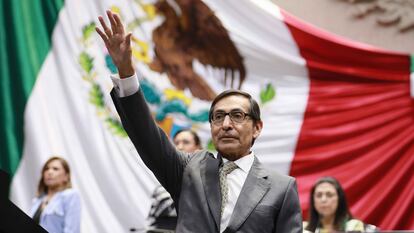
[102,35]
[108,31]
[119,23]
[128,39]
[114,26]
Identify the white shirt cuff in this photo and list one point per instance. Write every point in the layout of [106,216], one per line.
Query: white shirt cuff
[126,86]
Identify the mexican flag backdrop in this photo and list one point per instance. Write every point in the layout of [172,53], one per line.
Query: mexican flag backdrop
[330,107]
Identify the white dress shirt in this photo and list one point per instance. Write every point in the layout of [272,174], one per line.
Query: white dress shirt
[235,182]
[126,86]
[235,179]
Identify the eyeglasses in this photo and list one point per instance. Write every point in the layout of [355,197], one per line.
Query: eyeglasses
[236,116]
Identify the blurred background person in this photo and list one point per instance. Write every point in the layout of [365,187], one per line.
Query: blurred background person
[187,140]
[328,210]
[57,207]
[163,215]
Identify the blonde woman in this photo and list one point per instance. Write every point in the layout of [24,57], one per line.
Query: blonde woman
[57,207]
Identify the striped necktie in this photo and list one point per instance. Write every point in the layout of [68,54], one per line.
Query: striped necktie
[227,168]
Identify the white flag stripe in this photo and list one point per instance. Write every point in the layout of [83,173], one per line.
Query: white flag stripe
[271,56]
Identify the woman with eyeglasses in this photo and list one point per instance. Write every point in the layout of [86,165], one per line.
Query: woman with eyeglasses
[328,210]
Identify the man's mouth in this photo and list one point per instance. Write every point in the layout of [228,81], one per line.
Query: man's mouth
[228,137]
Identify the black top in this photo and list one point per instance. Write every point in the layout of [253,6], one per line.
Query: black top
[36,216]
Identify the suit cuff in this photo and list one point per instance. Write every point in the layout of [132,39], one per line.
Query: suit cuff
[126,86]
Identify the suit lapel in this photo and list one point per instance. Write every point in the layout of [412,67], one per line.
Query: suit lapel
[253,190]
[210,178]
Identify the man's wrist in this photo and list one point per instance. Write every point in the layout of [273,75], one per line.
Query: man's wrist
[126,72]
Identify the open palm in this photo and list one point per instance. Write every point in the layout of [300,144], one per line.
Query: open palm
[118,44]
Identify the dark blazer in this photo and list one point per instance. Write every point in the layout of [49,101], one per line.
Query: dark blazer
[268,201]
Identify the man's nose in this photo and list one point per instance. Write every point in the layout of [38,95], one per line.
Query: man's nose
[227,122]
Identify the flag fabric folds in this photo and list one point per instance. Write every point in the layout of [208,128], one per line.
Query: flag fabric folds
[330,106]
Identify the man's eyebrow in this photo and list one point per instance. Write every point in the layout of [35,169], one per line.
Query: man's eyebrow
[231,110]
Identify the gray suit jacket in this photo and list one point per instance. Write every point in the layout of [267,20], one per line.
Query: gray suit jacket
[268,201]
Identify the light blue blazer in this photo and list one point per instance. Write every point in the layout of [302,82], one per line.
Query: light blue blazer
[62,214]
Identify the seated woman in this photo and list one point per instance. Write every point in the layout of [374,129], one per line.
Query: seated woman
[329,210]
[57,207]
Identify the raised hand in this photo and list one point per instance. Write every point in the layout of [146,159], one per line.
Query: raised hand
[118,44]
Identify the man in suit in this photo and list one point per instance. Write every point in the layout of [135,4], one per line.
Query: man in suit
[225,192]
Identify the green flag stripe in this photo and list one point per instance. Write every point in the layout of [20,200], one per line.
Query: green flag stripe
[26,27]
[412,63]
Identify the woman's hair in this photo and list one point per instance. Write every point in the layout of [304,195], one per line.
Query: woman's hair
[196,138]
[41,187]
[342,214]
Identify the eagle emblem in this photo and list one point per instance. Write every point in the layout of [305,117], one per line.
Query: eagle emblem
[192,32]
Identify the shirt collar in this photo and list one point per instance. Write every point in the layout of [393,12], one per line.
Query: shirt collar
[244,163]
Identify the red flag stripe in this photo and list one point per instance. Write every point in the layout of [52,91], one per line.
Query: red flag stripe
[358,125]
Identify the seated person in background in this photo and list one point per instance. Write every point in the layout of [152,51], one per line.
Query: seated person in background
[187,140]
[57,207]
[328,209]
[162,214]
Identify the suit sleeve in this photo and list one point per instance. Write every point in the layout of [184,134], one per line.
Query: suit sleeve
[152,144]
[290,217]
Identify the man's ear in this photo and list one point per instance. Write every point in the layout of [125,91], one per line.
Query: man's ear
[257,128]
